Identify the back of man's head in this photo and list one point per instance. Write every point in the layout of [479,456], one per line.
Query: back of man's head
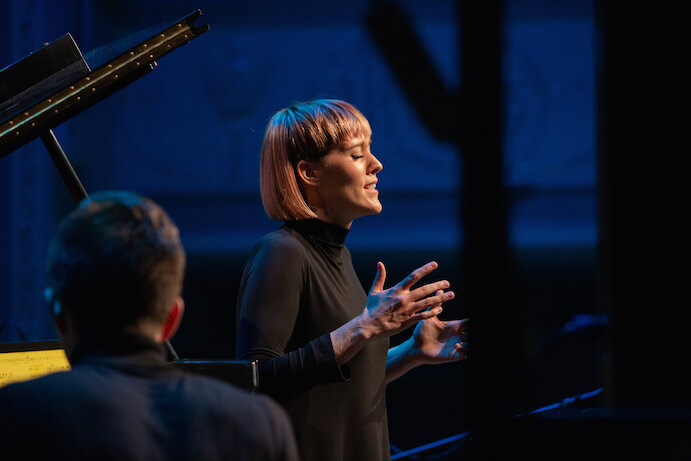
[115,262]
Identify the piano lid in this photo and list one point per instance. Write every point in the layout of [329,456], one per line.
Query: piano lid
[40,74]
[45,113]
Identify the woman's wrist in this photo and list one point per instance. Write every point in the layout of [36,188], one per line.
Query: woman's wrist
[410,353]
[401,359]
[348,339]
[363,327]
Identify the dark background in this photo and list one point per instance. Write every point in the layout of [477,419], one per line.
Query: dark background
[533,148]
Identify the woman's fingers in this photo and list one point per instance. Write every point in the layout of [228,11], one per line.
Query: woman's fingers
[417,274]
[439,293]
[403,306]
[438,299]
[430,312]
[428,289]
[427,313]
[379,278]
[419,298]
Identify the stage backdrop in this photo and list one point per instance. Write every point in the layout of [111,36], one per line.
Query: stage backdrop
[188,135]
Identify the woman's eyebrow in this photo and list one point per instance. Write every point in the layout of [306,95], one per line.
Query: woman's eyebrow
[366,142]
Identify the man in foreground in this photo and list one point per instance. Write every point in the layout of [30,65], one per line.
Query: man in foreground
[115,271]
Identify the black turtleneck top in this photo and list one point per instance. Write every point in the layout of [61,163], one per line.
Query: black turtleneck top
[298,286]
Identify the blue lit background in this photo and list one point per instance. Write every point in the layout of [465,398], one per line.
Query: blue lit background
[188,135]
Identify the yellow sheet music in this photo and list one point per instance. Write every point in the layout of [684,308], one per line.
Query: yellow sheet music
[22,366]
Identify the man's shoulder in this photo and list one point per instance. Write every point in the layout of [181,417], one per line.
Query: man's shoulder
[227,416]
[218,390]
[227,401]
[193,391]
[252,420]
[22,402]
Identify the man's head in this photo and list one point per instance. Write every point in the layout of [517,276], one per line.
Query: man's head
[116,265]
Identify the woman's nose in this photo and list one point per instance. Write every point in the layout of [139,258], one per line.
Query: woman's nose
[375,165]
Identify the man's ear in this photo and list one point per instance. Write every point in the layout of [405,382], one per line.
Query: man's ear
[55,309]
[308,172]
[174,319]
[59,319]
[63,325]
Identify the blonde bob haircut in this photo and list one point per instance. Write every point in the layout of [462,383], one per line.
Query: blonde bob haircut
[303,131]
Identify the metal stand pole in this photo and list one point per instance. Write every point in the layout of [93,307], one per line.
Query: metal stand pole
[64,166]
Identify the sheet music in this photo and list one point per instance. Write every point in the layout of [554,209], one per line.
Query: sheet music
[25,365]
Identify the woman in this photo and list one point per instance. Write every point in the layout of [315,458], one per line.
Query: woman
[321,341]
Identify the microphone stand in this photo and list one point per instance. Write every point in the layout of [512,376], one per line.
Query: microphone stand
[566,402]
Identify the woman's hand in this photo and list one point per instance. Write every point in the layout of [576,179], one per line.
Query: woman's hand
[433,341]
[390,311]
[437,341]
[393,310]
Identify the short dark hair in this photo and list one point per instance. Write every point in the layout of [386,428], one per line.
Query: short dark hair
[115,261]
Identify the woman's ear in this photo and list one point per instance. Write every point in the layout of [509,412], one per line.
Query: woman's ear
[308,172]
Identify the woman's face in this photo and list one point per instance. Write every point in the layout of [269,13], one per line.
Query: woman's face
[347,187]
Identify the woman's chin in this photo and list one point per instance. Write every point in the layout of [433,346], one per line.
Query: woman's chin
[375,209]
[372,209]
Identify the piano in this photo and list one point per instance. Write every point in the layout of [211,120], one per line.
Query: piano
[53,84]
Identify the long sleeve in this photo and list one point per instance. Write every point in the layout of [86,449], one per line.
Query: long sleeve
[268,312]
[298,286]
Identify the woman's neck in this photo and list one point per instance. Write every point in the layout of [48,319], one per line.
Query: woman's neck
[322,215]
